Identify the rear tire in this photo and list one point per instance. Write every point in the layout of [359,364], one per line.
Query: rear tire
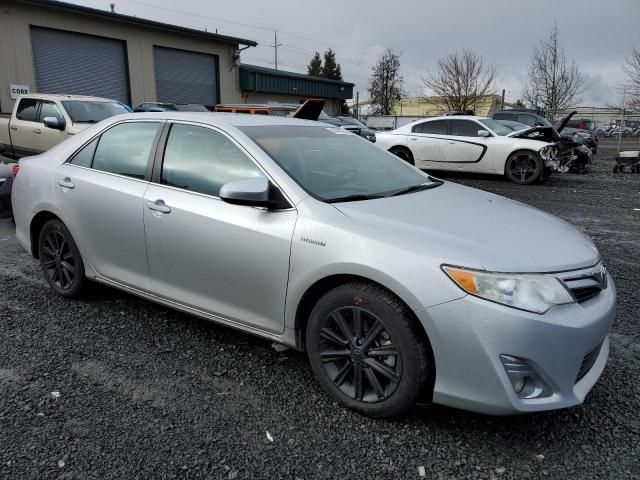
[524,167]
[60,260]
[403,153]
[366,350]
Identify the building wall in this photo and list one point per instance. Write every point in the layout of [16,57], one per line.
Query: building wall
[16,59]
[331,107]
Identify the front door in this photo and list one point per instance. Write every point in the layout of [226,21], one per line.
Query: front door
[49,137]
[100,191]
[23,127]
[465,148]
[227,260]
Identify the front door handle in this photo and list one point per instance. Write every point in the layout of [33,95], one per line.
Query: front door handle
[66,183]
[37,130]
[452,143]
[14,128]
[159,206]
[413,138]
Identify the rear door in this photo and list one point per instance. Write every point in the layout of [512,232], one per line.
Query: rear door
[23,127]
[229,261]
[465,148]
[428,142]
[101,190]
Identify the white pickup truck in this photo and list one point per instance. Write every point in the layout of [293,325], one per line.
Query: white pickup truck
[40,121]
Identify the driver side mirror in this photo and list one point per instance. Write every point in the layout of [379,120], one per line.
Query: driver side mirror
[483,133]
[54,123]
[253,192]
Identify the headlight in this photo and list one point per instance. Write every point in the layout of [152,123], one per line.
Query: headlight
[535,293]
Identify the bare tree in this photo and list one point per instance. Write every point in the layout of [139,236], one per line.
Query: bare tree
[386,85]
[461,80]
[552,83]
[632,70]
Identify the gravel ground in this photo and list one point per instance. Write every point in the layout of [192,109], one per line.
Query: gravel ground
[147,392]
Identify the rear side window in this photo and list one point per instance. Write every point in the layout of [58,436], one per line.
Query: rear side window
[125,148]
[202,160]
[84,157]
[503,116]
[27,110]
[434,127]
[465,128]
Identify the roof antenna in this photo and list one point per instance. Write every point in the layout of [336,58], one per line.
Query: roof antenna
[113,7]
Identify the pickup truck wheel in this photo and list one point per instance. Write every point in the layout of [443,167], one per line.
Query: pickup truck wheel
[366,350]
[524,167]
[60,260]
[404,154]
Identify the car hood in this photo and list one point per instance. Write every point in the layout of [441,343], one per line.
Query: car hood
[468,227]
[546,134]
[559,126]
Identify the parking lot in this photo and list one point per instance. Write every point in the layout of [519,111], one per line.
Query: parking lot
[117,387]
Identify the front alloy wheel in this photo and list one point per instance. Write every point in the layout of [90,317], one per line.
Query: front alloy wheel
[358,354]
[524,167]
[367,350]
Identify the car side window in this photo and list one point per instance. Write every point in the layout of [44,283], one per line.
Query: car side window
[465,128]
[125,148]
[527,119]
[504,116]
[433,127]
[27,110]
[202,160]
[50,109]
[84,157]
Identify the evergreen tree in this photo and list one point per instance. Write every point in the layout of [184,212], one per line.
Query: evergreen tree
[331,69]
[315,66]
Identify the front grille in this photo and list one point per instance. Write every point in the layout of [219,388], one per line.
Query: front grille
[587,362]
[585,284]
[583,294]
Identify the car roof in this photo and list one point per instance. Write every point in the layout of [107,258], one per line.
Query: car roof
[58,96]
[233,119]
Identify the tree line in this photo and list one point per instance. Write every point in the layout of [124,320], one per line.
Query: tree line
[463,80]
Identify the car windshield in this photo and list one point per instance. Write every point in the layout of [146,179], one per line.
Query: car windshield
[335,165]
[496,127]
[82,111]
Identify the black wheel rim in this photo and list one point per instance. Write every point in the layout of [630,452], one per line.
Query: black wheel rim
[58,260]
[523,166]
[358,355]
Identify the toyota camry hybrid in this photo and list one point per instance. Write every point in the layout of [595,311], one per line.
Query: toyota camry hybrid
[399,286]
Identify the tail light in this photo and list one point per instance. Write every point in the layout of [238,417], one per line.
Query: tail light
[14,170]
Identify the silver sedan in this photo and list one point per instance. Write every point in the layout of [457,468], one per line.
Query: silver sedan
[399,286]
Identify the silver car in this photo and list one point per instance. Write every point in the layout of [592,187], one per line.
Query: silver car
[399,286]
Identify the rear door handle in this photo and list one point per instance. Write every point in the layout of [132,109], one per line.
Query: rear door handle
[159,206]
[66,183]
[452,143]
[13,127]
[37,130]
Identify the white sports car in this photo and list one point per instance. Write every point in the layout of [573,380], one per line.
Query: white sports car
[473,144]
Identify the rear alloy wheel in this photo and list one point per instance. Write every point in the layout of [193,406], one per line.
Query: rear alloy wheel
[60,259]
[524,167]
[404,154]
[365,351]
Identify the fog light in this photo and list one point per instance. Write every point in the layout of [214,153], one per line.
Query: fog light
[525,381]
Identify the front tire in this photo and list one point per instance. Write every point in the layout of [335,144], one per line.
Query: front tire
[524,167]
[60,259]
[366,350]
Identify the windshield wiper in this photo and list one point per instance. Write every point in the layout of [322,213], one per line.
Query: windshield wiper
[417,188]
[353,198]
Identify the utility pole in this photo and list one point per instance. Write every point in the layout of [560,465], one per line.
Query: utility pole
[624,100]
[358,105]
[502,103]
[275,46]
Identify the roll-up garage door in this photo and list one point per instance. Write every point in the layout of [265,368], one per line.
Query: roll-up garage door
[185,77]
[77,64]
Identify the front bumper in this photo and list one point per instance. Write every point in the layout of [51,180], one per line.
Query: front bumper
[468,336]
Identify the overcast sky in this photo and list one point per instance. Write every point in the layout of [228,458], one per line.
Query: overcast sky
[597,34]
